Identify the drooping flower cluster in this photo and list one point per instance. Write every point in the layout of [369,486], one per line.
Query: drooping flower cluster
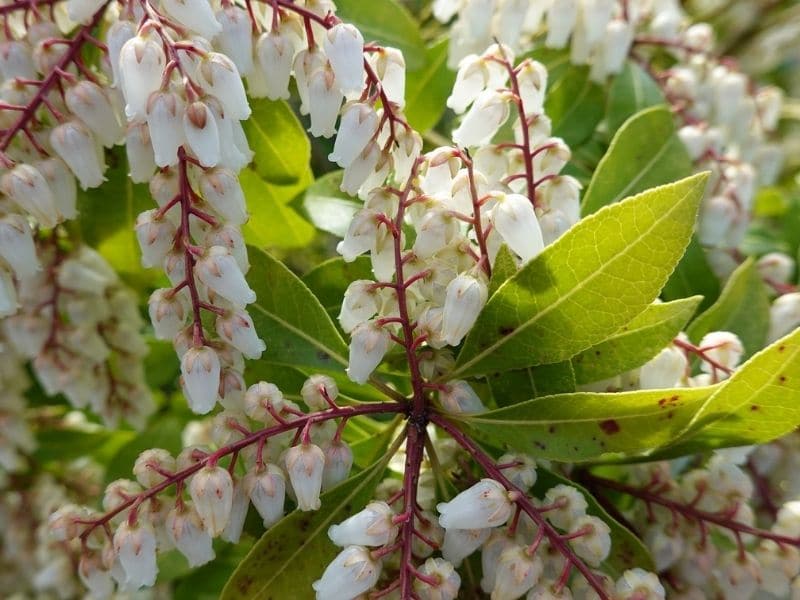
[16,438]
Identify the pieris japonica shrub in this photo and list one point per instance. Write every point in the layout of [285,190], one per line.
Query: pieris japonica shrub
[418,300]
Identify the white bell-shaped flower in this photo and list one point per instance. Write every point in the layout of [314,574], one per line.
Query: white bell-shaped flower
[202,133]
[390,67]
[447,578]
[76,146]
[517,572]
[485,504]
[563,193]
[360,236]
[222,190]
[464,300]
[235,40]
[201,369]
[639,584]
[185,531]
[484,118]
[723,347]
[261,399]
[344,47]
[324,100]
[567,503]
[304,465]
[523,473]
[360,304]
[8,294]
[369,342]
[238,330]
[16,246]
[90,103]
[156,237]
[267,492]
[372,526]
[219,271]
[358,126]
[211,489]
[168,312]
[141,64]
[694,138]
[317,390]
[338,462]
[776,267]
[151,465]
[196,15]
[460,543]
[165,122]
[221,78]
[119,32]
[27,187]
[59,177]
[139,150]
[230,236]
[435,230]
[135,546]
[663,371]
[349,575]
[458,397]
[362,169]
[784,316]
[532,80]
[471,80]
[95,576]
[275,54]
[515,220]
[594,545]
[561,20]
[239,507]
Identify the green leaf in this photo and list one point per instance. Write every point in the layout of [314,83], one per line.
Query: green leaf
[290,319]
[329,280]
[513,387]
[743,308]
[644,153]
[575,105]
[505,265]
[281,147]
[273,223]
[586,426]
[759,403]
[428,88]
[627,550]
[327,206]
[69,444]
[388,22]
[631,91]
[206,582]
[636,343]
[294,552]
[164,432]
[587,285]
[692,277]
[161,365]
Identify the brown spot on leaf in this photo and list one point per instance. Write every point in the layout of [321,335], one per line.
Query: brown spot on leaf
[506,330]
[551,429]
[609,426]
[782,378]
[781,348]
[755,407]
[244,584]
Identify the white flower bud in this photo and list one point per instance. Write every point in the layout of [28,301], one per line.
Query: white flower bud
[211,489]
[16,246]
[569,505]
[738,575]
[95,576]
[694,138]
[89,102]
[459,398]
[776,267]
[390,67]
[485,504]
[515,220]
[259,397]
[63,524]
[236,37]
[460,543]
[769,101]
[498,542]
[239,506]
[728,480]
[267,491]
[338,462]
[197,15]
[16,60]
[168,313]
[324,100]
[484,118]
[238,330]
[221,78]
[665,543]
[141,64]
[119,32]
[185,530]
[360,236]
[780,563]
[151,465]
[471,80]
[222,190]
[663,371]
[139,150]
[717,215]
[344,47]
[275,56]
[74,143]
[449,581]
[595,543]
[218,270]
[135,546]
[202,132]
[517,572]
[561,19]
[165,123]
[156,237]
[369,342]
[616,46]
[349,575]
[318,390]
[372,526]
[304,465]
[358,125]
[638,584]
[27,187]
[523,475]
[464,300]
[784,316]
[200,369]
[723,347]
[553,159]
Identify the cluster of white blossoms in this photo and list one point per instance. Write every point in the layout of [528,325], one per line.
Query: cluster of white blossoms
[287,463]
[16,438]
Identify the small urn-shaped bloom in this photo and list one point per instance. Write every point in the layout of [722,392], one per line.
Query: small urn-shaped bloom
[212,493]
[304,464]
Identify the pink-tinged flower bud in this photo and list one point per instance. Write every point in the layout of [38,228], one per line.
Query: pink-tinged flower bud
[723,347]
[338,462]
[568,505]
[212,493]
[135,546]
[77,147]
[156,236]
[89,102]
[344,47]
[267,492]
[185,531]
[369,342]
[484,118]
[523,474]
[517,572]
[485,504]
[63,524]
[784,316]
[230,236]
[139,150]
[776,267]
[200,369]
[663,371]
[359,305]
[471,80]
[233,530]
[448,581]
[515,220]
[238,330]
[460,543]
[358,126]
[561,20]
[218,270]
[221,189]
[236,37]
[594,545]
[304,465]
[260,398]
[165,123]
[317,390]
[141,62]
[351,573]
[361,170]
[464,300]
[639,584]
[275,55]
[16,246]
[372,526]
[196,15]
[26,186]
[95,576]
[151,465]
[221,78]
[460,399]
[202,133]
[168,313]
[175,267]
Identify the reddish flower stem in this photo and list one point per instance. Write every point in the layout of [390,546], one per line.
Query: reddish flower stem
[25,5]
[522,500]
[480,234]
